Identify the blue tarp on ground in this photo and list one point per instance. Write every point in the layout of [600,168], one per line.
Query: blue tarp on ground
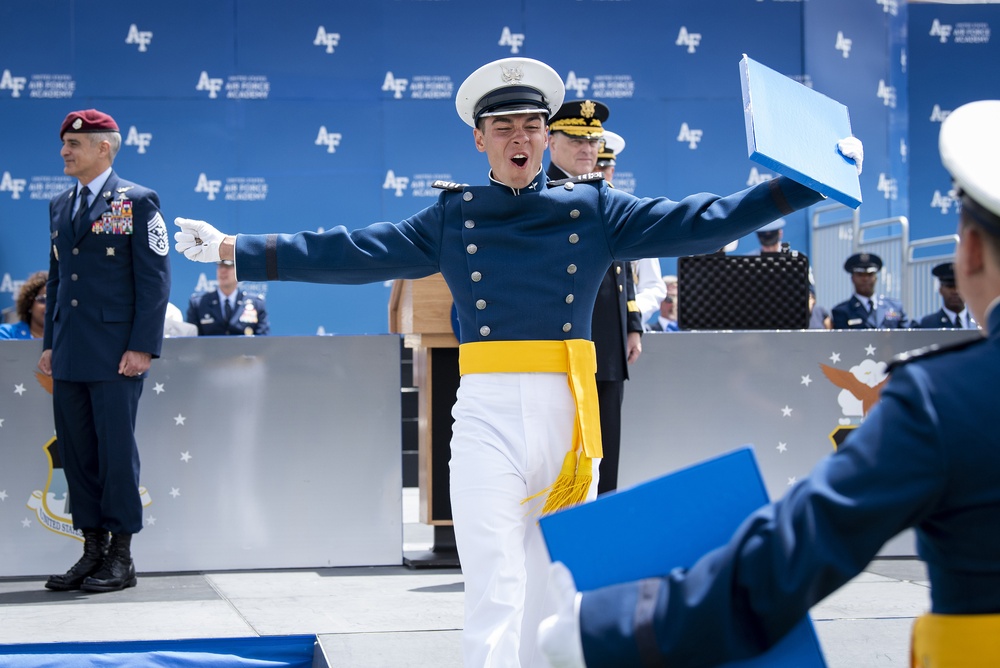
[270,652]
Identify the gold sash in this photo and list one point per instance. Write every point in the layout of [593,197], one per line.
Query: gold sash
[955,641]
[578,360]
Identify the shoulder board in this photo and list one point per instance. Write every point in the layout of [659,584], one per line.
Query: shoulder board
[931,351]
[583,178]
[449,185]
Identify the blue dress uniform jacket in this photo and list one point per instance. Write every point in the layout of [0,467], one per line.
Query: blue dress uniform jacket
[927,456]
[508,253]
[942,320]
[888,314]
[249,316]
[108,283]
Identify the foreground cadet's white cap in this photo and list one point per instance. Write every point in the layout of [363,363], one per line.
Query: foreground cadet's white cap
[509,86]
[970,151]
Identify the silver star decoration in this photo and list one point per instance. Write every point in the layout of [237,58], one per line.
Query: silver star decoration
[835,357]
[175,492]
[870,349]
[786,411]
[185,457]
[1,422]
[806,380]
[179,420]
[3,495]
[158,388]
[791,481]
[19,389]
[111,251]
[150,520]
[782,447]
[26,523]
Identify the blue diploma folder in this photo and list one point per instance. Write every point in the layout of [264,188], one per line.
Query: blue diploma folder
[671,522]
[793,130]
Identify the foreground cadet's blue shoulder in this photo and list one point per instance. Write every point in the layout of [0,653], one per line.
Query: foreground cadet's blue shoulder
[930,352]
[590,177]
[449,185]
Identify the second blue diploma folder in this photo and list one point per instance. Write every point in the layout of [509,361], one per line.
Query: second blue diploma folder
[652,528]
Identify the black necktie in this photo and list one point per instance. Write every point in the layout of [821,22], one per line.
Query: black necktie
[958,321]
[82,209]
[871,307]
[229,310]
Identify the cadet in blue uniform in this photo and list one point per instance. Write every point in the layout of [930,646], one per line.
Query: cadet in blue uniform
[109,280]
[927,456]
[953,313]
[524,262]
[229,310]
[865,309]
[575,134]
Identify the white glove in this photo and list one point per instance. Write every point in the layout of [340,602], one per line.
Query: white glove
[197,240]
[851,148]
[559,635]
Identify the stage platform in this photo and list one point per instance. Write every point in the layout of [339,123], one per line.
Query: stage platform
[390,615]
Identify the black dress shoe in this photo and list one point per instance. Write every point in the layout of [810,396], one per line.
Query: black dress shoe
[117,571]
[95,546]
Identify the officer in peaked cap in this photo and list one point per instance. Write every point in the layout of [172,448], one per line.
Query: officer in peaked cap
[953,312]
[865,309]
[608,150]
[926,457]
[524,263]
[863,263]
[575,133]
[229,310]
[109,281]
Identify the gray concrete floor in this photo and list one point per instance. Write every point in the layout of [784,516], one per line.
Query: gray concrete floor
[394,616]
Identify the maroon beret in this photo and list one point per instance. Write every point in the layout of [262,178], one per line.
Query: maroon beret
[88,120]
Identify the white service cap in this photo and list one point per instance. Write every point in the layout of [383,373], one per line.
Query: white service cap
[510,86]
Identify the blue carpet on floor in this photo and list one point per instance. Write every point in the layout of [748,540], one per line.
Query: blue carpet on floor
[254,652]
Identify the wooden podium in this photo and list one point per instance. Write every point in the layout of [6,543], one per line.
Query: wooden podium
[420,310]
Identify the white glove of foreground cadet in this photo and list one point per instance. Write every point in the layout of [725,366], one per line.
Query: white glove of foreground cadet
[852,148]
[197,240]
[559,635]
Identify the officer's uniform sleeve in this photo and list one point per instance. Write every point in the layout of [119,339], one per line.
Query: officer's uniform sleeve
[740,599]
[263,324]
[633,315]
[381,251]
[151,273]
[698,224]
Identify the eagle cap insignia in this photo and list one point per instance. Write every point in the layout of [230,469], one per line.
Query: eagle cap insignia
[587,109]
[511,75]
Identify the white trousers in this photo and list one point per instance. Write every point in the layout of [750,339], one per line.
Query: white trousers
[511,433]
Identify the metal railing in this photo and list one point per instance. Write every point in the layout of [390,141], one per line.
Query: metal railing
[836,233]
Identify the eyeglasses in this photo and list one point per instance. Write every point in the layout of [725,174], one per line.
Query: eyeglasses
[40,299]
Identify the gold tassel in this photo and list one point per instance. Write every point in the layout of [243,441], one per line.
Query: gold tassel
[570,487]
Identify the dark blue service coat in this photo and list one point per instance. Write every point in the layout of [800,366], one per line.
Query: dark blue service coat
[249,317]
[888,314]
[927,456]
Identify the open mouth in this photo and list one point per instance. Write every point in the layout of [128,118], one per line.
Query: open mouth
[520,160]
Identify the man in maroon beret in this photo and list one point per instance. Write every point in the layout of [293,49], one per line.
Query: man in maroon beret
[109,281]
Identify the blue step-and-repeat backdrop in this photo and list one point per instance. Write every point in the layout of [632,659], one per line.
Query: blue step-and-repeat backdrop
[306,114]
